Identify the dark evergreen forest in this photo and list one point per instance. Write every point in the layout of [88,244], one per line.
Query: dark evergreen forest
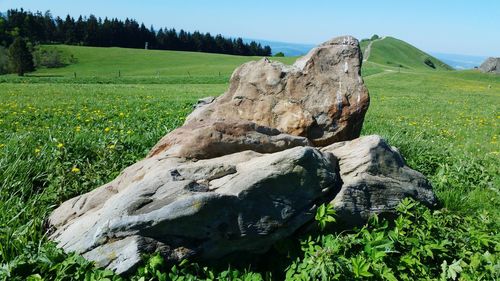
[43,28]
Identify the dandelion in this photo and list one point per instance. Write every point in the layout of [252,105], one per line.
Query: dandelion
[75,170]
[78,128]
[60,145]
[107,129]
[37,150]
[122,114]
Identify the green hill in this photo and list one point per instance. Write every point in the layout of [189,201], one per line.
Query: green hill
[107,62]
[389,51]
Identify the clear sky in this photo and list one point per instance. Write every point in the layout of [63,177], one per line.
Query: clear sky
[470,27]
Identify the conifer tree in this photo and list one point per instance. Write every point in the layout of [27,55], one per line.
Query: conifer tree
[20,57]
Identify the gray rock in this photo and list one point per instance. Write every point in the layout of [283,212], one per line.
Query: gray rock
[205,209]
[375,180]
[490,65]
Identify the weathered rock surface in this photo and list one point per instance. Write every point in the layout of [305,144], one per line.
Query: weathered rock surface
[321,96]
[243,172]
[244,201]
[375,179]
[212,139]
[490,65]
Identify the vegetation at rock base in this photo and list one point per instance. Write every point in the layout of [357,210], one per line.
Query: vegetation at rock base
[61,136]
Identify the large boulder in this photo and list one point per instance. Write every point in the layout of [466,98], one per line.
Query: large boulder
[490,65]
[321,96]
[206,209]
[245,170]
[375,180]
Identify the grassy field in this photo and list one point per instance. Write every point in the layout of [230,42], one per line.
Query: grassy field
[141,63]
[61,137]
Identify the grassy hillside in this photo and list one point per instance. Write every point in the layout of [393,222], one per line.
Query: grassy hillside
[107,62]
[389,51]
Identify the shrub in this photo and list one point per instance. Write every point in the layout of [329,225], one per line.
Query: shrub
[374,37]
[52,58]
[279,54]
[429,62]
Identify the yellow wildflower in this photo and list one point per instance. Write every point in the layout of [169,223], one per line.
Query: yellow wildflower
[37,150]
[107,129]
[75,170]
[60,145]
[78,128]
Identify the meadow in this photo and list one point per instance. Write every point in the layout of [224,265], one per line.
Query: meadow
[61,136]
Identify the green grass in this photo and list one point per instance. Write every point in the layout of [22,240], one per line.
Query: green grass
[61,137]
[107,62]
[447,125]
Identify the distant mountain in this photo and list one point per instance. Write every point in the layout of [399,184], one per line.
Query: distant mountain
[460,61]
[397,53]
[289,49]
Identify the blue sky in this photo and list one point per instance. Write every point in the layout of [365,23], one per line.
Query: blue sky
[448,26]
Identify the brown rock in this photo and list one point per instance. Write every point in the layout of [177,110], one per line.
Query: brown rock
[321,96]
[212,139]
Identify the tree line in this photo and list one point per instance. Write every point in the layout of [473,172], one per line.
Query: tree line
[43,28]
